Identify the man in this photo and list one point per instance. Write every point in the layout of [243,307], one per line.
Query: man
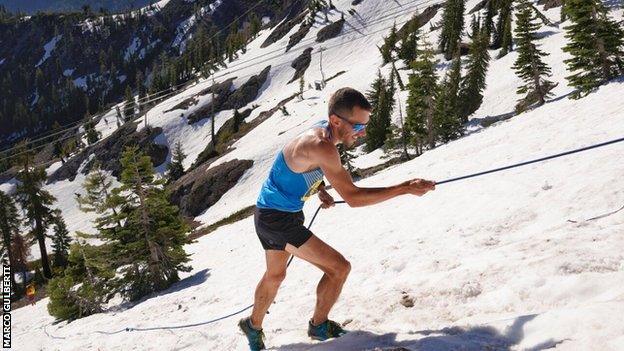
[297,173]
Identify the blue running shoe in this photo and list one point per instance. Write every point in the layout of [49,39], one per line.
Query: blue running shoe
[326,330]
[254,336]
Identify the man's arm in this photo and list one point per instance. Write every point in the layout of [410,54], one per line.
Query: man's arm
[327,157]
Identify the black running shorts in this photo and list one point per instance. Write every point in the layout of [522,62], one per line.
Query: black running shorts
[277,228]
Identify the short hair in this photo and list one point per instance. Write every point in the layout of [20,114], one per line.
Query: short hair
[345,99]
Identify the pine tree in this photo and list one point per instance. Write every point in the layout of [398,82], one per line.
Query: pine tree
[381,97]
[421,102]
[254,25]
[409,46]
[346,157]
[389,45]
[100,198]
[473,83]
[36,202]
[176,168]
[92,135]
[488,21]
[475,26]
[129,105]
[596,43]
[149,247]
[60,240]
[529,65]
[375,131]
[452,27]
[503,38]
[9,228]
[87,265]
[447,118]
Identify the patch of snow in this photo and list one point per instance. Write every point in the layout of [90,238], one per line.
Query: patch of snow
[35,99]
[148,48]
[9,186]
[68,72]
[184,28]
[2,61]
[266,20]
[48,47]
[134,46]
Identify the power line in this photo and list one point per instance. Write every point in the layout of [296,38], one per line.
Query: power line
[123,105]
[256,63]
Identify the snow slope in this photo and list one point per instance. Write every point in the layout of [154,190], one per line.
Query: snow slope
[490,263]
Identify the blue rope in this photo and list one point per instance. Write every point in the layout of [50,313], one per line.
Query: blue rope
[342,202]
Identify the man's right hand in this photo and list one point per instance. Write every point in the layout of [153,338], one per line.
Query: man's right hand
[419,187]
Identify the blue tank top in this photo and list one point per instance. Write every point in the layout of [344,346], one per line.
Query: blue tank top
[286,190]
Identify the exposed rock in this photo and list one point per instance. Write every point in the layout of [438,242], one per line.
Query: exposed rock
[247,92]
[420,19]
[108,152]
[299,35]
[301,64]
[330,31]
[407,301]
[228,100]
[479,6]
[222,91]
[356,2]
[209,155]
[289,23]
[198,190]
[549,4]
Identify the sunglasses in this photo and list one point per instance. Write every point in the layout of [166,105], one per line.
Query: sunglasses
[357,127]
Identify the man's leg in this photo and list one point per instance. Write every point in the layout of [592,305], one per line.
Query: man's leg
[335,267]
[269,284]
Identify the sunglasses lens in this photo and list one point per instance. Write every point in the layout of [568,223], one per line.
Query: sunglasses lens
[359,127]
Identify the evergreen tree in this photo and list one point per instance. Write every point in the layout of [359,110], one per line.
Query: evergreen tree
[129,105]
[389,45]
[176,169]
[447,118]
[9,228]
[529,65]
[473,83]
[346,157]
[87,266]
[409,46]
[475,26]
[36,202]
[488,21]
[254,25]
[503,37]
[92,135]
[421,102]
[379,123]
[149,247]
[596,43]
[452,27]
[60,240]
[100,198]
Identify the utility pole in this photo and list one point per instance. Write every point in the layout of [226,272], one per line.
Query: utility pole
[212,123]
[322,74]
